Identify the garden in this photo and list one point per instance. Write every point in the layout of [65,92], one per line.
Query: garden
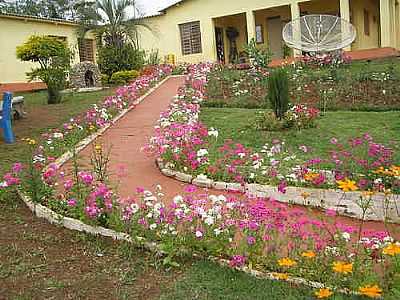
[305,156]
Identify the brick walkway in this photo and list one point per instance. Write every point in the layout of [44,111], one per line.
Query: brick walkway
[128,136]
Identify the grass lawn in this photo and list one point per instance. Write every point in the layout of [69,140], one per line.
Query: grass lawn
[236,124]
[41,117]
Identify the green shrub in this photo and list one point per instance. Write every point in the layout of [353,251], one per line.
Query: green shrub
[105,79]
[113,59]
[123,77]
[259,57]
[278,92]
[53,58]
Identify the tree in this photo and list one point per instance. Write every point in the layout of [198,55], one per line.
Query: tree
[53,57]
[110,21]
[58,9]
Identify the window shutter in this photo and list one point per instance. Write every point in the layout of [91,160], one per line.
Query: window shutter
[190,38]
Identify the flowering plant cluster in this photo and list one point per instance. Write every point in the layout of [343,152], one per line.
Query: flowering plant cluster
[298,116]
[321,60]
[58,141]
[259,233]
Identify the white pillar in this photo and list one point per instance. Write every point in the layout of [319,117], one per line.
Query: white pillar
[295,11]
[345,14]
[208,40]
[385,23]
[251,25]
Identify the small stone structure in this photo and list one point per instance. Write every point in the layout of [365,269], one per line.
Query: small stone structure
[85,75]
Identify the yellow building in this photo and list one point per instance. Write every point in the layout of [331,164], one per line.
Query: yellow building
[196,30]
[16,29]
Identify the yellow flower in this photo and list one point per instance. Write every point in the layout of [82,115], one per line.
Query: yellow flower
[392,249]
[286,262]
[367,194]
[281,276]
[342,267]
[372,291]
[347,185]
[91,127]
[323,293]
[29,141]
[305,195]
[308,254]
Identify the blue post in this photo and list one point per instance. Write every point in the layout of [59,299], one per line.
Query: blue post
[5,121]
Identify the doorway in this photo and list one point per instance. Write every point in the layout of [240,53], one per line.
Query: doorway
[219,38]
[274,29]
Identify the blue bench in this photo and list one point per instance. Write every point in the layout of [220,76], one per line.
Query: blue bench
[5,118]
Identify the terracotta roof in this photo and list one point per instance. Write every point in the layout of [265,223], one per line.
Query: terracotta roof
[38,19]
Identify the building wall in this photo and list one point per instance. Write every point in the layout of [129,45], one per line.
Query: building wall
[165,35]
[14,32]
[357,8]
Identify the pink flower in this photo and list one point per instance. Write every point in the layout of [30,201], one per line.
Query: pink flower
[237,261]
[251,240]
[282,187]
[17,167]
[190,188]
[72,202]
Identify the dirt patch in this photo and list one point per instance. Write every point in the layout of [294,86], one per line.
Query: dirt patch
[42,261]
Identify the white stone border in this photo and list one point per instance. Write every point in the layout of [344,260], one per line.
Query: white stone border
[52,217]
[344,204]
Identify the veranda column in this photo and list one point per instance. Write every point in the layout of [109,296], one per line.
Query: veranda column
[208,40]
[251,25]
[295,11]
[385,23]
[345,14]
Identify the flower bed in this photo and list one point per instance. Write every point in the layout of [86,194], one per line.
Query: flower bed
[254,234]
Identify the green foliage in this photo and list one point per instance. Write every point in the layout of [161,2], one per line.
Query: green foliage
[153,58]
[259,57]
[113,59]
[105,79]
[53,57]
[123,77]
[278,87]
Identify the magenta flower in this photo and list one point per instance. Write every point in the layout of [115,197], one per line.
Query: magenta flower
[237,261]
[282,187]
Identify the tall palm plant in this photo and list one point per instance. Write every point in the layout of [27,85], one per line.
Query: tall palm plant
[109,20]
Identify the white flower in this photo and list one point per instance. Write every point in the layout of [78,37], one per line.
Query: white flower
[134,207]
[213,132]
[58,135]
[178,199]
[209,220]
[202,152]
[153,226]
[217,231]
[3,184]
[346,236]
[199,234]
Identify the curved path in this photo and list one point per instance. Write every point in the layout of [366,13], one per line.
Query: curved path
[131,132]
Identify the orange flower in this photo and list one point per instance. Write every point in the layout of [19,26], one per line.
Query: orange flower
[286,262]
[280,276]
[347,185]
[323,293]
[392,249]
[308,254]
[372,291]
[310,176]
[342,267]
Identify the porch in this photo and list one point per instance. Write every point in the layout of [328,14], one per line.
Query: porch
[376,21]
